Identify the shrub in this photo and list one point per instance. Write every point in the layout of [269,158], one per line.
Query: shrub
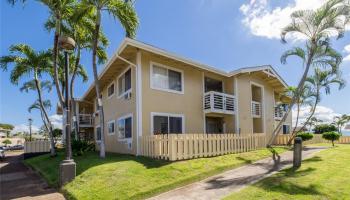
[323,128]
[332,136]
[305,136]
[79,147]
[6,142]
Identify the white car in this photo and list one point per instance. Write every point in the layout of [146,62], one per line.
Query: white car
[2,153]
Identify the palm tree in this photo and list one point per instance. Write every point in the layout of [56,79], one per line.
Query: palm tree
[340,121]
[80,29]
[45,85]
[126,15]
[320,80]
[28,62]
[317,27]
[305,98]
[47,106]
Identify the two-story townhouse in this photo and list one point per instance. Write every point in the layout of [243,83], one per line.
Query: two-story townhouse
[146,90]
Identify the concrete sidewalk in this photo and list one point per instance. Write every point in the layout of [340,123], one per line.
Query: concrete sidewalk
[219,186]
[19,182]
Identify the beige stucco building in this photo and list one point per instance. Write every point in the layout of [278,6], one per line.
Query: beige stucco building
[146,90]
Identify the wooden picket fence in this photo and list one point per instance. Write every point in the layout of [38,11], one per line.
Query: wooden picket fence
[283,140]
[187,146]
[37,146]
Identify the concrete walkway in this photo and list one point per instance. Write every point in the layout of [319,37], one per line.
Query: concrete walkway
[19,182]
[221,185]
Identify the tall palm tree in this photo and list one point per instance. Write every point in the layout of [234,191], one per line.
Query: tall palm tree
[321,80]
[81,30]
[317,27]
[29,62]
[125,13]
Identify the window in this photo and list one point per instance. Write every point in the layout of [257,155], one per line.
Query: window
[167,79]
[98,133]
[164,124]
[110,127]
[125,127]
[110,90]
[286,129]
[124,83]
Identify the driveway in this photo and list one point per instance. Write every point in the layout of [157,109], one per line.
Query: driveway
[19,182]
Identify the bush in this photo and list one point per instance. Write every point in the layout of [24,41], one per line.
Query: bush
[323,128]
[305,136]
[79,147]
[6,142]
[332,136]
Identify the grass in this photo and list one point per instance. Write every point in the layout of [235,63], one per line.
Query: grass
[129,177]
[324,176]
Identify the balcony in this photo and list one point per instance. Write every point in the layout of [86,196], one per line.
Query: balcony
[256,109]
[279,113]
[86,120]
[217,102]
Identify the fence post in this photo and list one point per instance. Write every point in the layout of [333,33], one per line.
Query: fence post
[172,149]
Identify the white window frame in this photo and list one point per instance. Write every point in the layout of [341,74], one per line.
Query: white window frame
[109,122]
[167,115]
[130,115]
[98,126]
[129,90]
[110,96]
[171,68]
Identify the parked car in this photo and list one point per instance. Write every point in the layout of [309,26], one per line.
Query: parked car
[2,153]
[16,147]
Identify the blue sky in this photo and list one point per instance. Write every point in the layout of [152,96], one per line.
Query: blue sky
[225,34]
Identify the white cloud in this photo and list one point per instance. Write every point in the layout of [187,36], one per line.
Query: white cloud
[323,113]
[347,51]
[24,128]
[56,121]
[264,21]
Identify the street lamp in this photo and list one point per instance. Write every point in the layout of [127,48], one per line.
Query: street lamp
[67,166]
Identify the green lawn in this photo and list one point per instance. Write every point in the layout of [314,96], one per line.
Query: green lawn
[325,176]
[130,177]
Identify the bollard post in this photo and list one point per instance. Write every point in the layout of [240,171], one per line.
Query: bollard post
[297,156]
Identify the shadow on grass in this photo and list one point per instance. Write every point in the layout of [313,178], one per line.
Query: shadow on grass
[279,183]
[89,160]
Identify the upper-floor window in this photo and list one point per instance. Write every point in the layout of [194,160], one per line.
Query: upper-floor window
[166,78]
[110,90]
[124,83]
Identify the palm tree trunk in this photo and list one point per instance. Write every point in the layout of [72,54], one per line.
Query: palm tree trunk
[308,119]
[97,83]
[77,61]
[55,58]
[297,120]
[38,87]
[294,99]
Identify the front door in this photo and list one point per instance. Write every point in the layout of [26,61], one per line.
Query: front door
[214,124]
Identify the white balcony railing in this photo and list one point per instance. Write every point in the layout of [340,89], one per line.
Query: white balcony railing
[279,113]
[85,120]
[217,102]
[256,109]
